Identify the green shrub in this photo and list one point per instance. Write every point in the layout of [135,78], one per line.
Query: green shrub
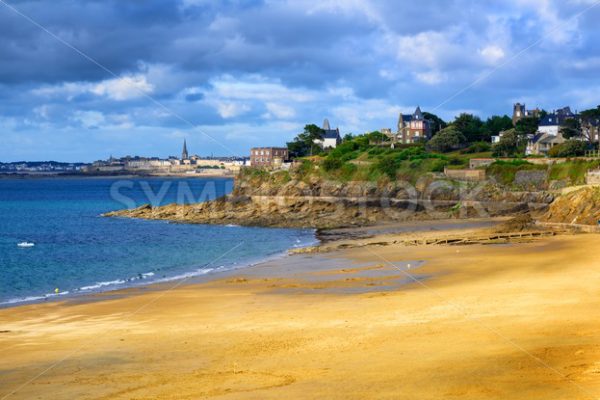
[448,139]
[438,165]
[477,147]
[572,171]
[570,148]
[505,171]
[389,165]
[331,163]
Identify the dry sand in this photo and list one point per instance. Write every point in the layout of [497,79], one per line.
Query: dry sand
[488,322]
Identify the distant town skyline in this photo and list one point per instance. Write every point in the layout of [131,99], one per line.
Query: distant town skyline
[90,79]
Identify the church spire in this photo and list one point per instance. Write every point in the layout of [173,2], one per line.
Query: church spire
[184,153]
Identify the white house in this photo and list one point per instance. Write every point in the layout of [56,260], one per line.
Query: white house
[331,137]
[548,134]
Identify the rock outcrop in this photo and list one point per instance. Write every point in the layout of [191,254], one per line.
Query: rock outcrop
[580,206]
[271,200]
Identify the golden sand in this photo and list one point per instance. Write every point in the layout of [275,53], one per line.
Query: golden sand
[490,322]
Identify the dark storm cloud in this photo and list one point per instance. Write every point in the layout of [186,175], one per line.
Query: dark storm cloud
[254,71]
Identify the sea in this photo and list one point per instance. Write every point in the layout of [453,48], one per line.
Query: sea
[55,243]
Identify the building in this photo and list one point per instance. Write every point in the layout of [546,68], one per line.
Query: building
[413,128]
[541,143]
[268,156]
[520,111]
[331,137]
[184,152]
[590,129]
[496,138]
[548,134]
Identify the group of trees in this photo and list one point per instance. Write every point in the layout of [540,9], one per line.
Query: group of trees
[304,144]
[468,130]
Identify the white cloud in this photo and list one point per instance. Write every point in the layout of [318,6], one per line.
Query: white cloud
[234,97]
[430,77]
[122,88]
[492,54]
[554,28]
[424,49]
[231,109]
[89,119]
[255,87]
[42,111]
[345,7]
[280,110]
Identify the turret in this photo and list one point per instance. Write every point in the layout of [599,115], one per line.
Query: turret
[184,153]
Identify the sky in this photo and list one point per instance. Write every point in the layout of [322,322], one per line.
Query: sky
[81,80]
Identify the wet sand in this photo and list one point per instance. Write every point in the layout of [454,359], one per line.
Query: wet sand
[518,321]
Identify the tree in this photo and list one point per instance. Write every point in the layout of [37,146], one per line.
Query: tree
[570,148]
[496,124]
[527,126]
[304,144]
[447,139]
[592,113]
[376,137]
[348,137]
[571,128]
[437,123]
[510,144]
[471,127]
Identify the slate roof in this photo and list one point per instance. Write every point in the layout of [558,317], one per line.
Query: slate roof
[555,119]
[548,139]
[405,118]
[331,134]
[537,137]
[418,115]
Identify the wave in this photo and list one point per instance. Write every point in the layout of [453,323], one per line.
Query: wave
[148,278]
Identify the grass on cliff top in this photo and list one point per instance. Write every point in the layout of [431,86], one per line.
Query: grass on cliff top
[364,158]
[571,172]
[504,172]
[351,161]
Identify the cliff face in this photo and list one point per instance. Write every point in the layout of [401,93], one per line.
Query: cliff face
[577,207]
[278,200]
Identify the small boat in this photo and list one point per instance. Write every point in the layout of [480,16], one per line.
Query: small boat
[25,244]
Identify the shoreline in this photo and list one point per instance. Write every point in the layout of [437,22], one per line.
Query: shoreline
[477,322]
[324,237]
[194,276]
[124,176]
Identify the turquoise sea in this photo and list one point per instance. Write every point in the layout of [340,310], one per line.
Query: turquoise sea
[77,251]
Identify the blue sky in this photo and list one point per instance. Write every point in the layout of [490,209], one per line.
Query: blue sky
[228,75]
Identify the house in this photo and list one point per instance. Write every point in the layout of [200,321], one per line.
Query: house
[268,156]
[541,143]
[331,137]
[590,129]
[496,138]
[548,134]
[413,128]
[520,112]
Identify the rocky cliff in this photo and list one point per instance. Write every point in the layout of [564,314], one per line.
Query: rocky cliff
[580,206]
[277,199]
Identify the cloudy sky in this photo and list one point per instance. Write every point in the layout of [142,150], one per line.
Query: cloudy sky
[83,79]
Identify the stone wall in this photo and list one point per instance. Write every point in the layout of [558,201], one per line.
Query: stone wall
[475,175]
[593,177]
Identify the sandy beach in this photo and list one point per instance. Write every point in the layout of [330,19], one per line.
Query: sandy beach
[515,321]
